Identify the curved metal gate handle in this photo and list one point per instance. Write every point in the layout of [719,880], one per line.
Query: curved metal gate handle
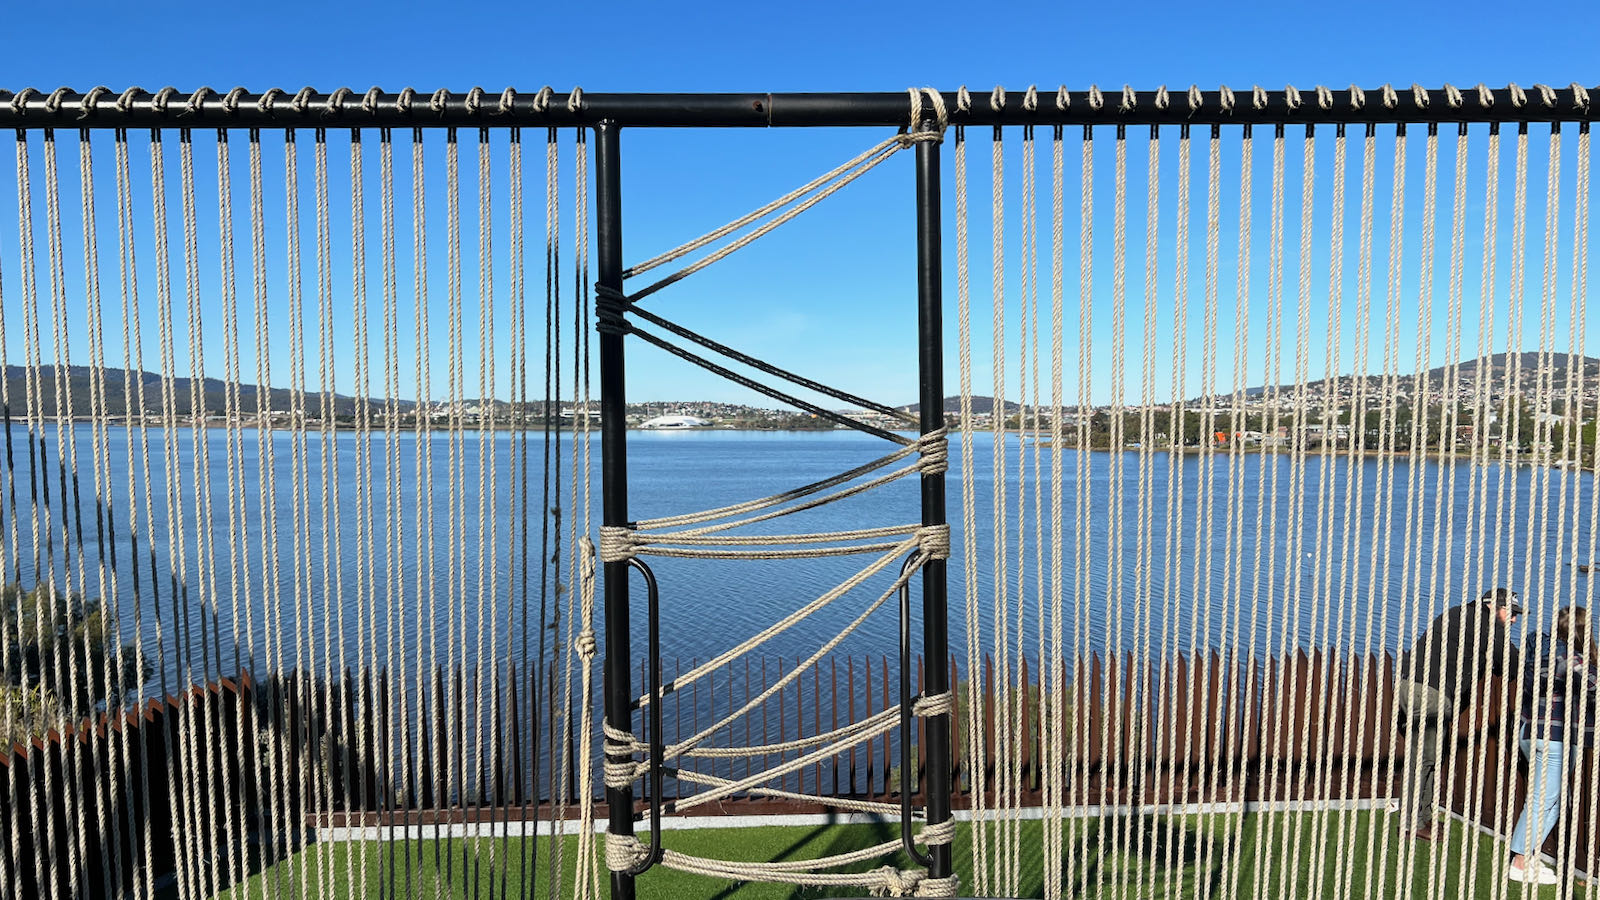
[907,778]
[657,749]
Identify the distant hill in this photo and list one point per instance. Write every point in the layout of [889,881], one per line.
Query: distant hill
[1496,366]
[980,406]
[213,394]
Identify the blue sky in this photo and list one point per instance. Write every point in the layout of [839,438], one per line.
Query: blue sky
[832,295]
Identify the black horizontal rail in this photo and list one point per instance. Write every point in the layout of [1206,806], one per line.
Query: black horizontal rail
[101,108]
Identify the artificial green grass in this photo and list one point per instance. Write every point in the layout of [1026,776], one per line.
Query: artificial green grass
[1271,855]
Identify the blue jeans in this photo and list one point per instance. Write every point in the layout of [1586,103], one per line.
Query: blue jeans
[1545,778]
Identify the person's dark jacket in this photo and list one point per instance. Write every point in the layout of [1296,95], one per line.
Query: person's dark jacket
[1459,647]
[1555,690]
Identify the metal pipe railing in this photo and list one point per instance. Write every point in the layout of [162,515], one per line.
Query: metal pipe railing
[168,108]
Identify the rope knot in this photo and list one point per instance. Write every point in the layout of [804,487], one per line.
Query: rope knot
[1063,99]
[1358,98]
[1580,96]
[1547,95]
[1324,97]
[1390,98]
[624,852]
[1195,98]
[1419,95]
[1030,98]
[162,98]
[19,102]
[585,644]
[894,882]
[92,99]
[940,704]
[935,450]
[1485,96]
[302,99]
[938,833]
[369,101]
[963,99]
[1225,98]
[997,99]
[403,102]
[1163,99]
[231,102]
[1519,97]
[1452,96]
[1130,100]
[934,540]
[1258,97]
[438,100]
[575,100]
[610,305]
[1097,100]
[939,887]
[125,101]
[616,543]
[475,100]
[1291,97]
[541,100]
[52,103]
[336,101]
[508,98]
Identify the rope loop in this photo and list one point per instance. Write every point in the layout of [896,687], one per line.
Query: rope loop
[337,100]
[1130,100]
[92,99]
[617,543]
[1547,95]
[1324,97]
[963,99]
[1225,98]
[302,99]
[939,887]
[575,100]
[125,102]
[1291,97]
[1358,98]
[1390,98]
[935,449]
[196,99]
[508,99]
[609,306]
[1580,96]
[1030,98]
[232,100]
[438,100]
[1195,98]
[1063,99]
[475,100]
[934,540]
[940,704]
[1419,95]
[624,852]
[162,98]
[1485,96]
[1519,97]
[369,100]
[1097,100]
[940,115]
[937,834]
[19,103]
[541,100]
[1163,99]
[403,102]
[997,98]
[1452,96]
[1258,97]
[52,103]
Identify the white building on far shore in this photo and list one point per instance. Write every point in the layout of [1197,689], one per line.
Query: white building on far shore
[677,421]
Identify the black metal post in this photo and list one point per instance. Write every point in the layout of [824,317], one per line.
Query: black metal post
[614,469]
[935,606]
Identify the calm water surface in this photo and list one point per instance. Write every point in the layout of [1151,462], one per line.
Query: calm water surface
[433,551]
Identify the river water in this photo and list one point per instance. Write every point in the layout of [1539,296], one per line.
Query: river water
[448,561]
